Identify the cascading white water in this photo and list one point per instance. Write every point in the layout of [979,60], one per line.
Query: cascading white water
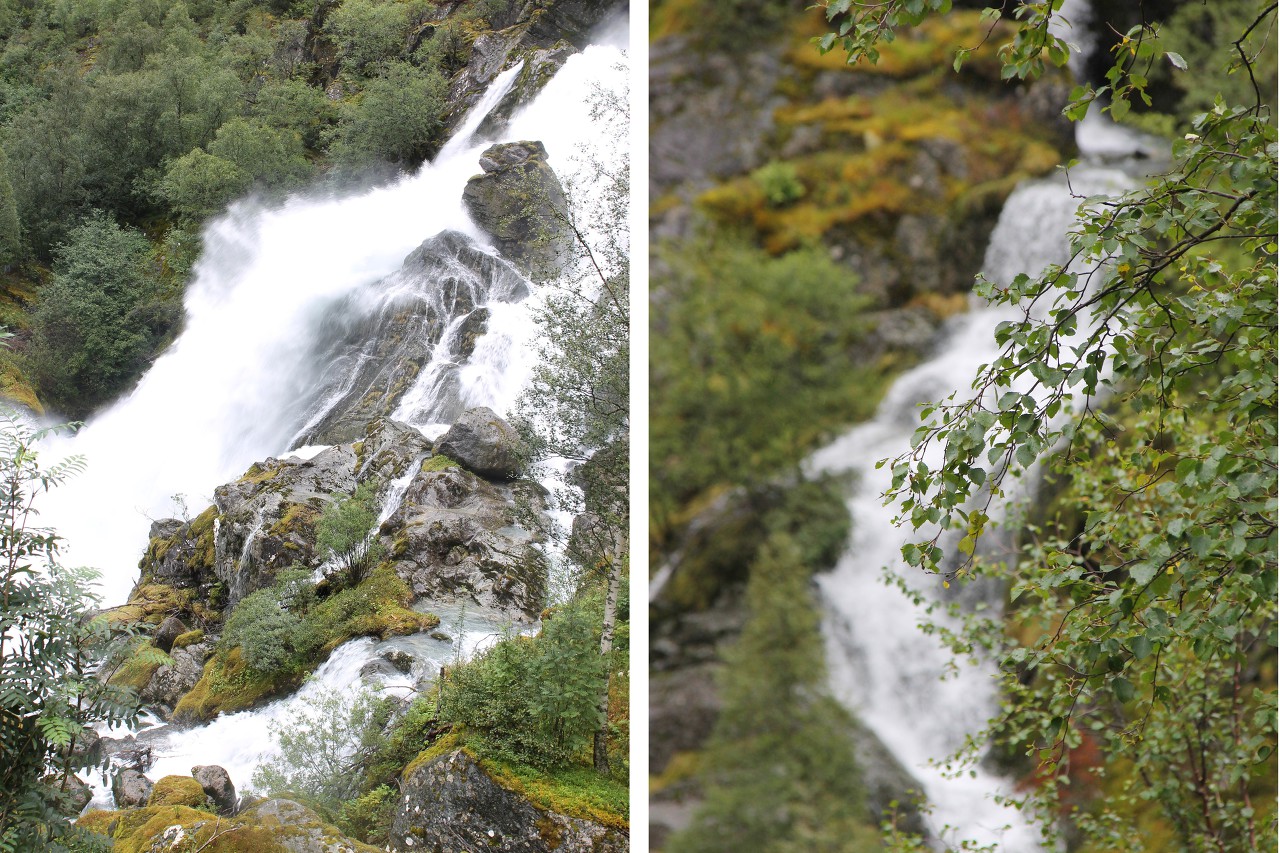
[229,391]
[887,670]
[240,384]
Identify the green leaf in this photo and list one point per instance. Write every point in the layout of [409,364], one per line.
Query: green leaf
[1123,689]
[1176,60]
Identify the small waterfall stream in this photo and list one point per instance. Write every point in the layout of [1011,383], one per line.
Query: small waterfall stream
[882,666]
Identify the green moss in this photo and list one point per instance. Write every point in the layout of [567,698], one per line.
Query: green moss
[190,638]
[228,685]
[177,791]
[150,603]
[438,463]
[378,607]
[135,673]
[258,474]
[296,516]
[137,830]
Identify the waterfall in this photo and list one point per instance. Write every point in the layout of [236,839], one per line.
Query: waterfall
[272,289]
[271,342]
[889,672]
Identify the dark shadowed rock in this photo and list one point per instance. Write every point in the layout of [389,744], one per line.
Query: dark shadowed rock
[130,788]
[484,443]
[450,803]
[170,629]
[518,200]
[217,785]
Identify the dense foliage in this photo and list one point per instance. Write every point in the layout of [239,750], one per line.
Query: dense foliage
[1146,373]
[49,648]
[154,116]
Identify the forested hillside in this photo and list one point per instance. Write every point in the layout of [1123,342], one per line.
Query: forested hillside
[127,124]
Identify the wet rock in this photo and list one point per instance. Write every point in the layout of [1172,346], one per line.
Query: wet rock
[130,789]
[400,659]
[519,201]
[170,629]
[217,785]
[450,803]
[128,753]
[472,328]
[388,449]
[539,67]
[372,360]
[484,443]
[268,517]
[456,535]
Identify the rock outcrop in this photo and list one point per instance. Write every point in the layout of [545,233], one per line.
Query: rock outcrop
[451,803]
[267,517]
[485,444]
[457,535]
[430,315]
[519,201]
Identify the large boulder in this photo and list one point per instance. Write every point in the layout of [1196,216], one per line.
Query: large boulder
[519,201]
[451,803]
[300,830]
[130,788]
[217,785]
[458,536]
[482,442]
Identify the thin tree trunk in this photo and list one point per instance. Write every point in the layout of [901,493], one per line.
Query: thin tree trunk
[600,751]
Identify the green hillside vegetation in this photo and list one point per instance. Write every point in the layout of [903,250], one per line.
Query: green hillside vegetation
[124,124]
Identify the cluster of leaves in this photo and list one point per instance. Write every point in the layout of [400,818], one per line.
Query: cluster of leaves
[100,317]
[50,646]
[343,533]
[1145,372]
[534,700]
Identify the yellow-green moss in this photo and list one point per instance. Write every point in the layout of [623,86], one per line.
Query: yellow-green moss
[575,791]
[137,830]
[135,673]
[177,791]
[228,685]
[257,474]
[150,603]
[190,638]
[438,463]
[683,767]
[297,515]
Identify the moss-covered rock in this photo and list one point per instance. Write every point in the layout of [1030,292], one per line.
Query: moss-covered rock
[451,801]
[272,826]
[178,791]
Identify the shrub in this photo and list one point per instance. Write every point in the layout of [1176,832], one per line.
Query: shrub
[396,120]
[265,631]
[779,182]
[342,533]
[533,700]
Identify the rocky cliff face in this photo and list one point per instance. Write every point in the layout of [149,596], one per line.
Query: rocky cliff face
[451,803]
[431,311]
